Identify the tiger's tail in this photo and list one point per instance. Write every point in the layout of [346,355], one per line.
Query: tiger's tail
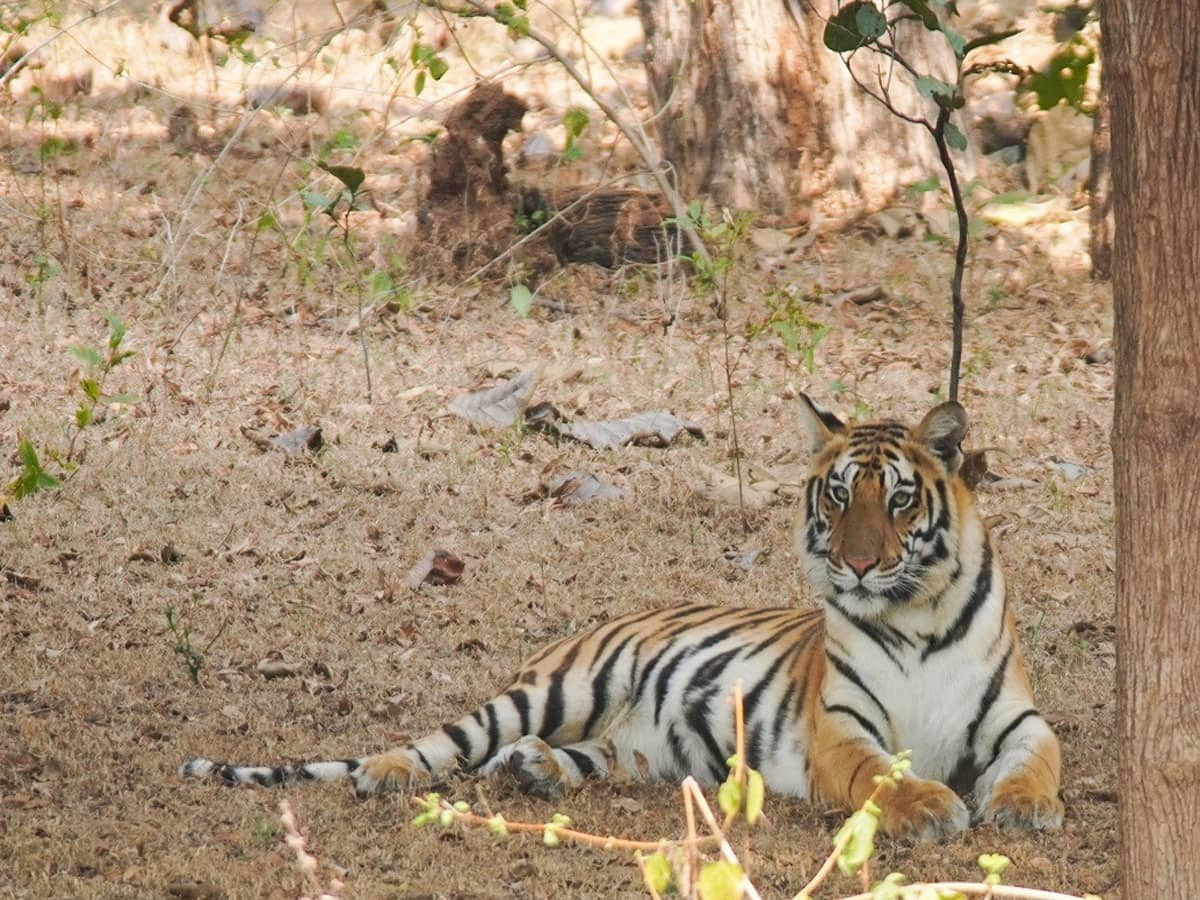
[271,776]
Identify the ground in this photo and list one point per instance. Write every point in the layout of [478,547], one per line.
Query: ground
[167,504]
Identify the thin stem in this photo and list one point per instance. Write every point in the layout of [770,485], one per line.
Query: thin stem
[976,889]
[960,253]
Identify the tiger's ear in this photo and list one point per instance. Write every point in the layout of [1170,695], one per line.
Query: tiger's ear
[819,424]
[942,431]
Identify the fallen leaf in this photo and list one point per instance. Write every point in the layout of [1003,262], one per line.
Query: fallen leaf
[743,559]
[646,429]
[499,406]
[722,488]
[277,668]
[437,567]
[193,890]
[1072,471]
[293,443]
[580,487]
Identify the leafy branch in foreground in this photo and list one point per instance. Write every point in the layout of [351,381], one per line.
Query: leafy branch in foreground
[862,24]
[675,868]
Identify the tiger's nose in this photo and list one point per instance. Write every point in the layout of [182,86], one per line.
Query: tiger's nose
[860,566]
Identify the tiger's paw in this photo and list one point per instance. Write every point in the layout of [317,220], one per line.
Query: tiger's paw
[531,762]
[1016,805]
[396,770]
[923,810]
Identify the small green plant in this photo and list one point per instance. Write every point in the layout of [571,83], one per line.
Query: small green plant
[264,830]
[33,477]
[575,120]
[100,363]
[339,207]
[191,654]
[788,319]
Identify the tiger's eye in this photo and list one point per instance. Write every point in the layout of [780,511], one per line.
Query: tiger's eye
[901,500]
[839,494]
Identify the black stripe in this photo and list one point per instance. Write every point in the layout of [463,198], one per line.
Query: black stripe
[493,732]
[460,739]
[683,765]
[844,668]
[520,700]
[696,717]
[663,684]
[478,718]
[979,594]
[1009,729]
[425,762]
[867,725]
[750,701]
[781,712]
[582,761]
[617,628]
[600,687]
[754,746]
[667,646]
[555,709]
[876,635]
[988,698]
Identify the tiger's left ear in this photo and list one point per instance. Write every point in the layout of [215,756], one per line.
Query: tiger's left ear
[819,424]
[942,431]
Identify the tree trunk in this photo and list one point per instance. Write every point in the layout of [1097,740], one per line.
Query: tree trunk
[1152,51]
[755,112]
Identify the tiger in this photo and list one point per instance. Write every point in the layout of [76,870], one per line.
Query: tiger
[915,649]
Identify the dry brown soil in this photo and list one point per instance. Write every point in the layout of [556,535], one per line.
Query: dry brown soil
[168,505]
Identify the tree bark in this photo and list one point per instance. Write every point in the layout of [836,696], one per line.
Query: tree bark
[1152,51]
[1100,211]
[755,112]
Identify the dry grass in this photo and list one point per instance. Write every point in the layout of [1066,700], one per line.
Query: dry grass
[307,559]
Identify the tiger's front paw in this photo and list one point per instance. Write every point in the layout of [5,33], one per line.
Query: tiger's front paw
[396,770]
[1017,804]
[922,810]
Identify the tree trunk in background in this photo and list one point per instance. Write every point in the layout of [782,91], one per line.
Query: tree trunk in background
[1100,210]
[759,115]
[1152,51]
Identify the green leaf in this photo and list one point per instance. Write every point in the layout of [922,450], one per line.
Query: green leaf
[91,388]
[521,299]
[438,68]
[954,137]
[575,120]
[993,865]
[267,221]
[89,355]
[656,870]
[935,88]
[721,881]
[854,25]
[1065,77]
[350,176]
[859,834]
[985,40]
[518,26]
[117,357]
[32,478]
[115,330]
[419,84]
[422,53]
[890,888]
[924,186]
[756,792]
[927,16]
[315,200]
[729,796]
[956,41]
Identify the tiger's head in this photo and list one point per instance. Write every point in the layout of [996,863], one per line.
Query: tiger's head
[881,524]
